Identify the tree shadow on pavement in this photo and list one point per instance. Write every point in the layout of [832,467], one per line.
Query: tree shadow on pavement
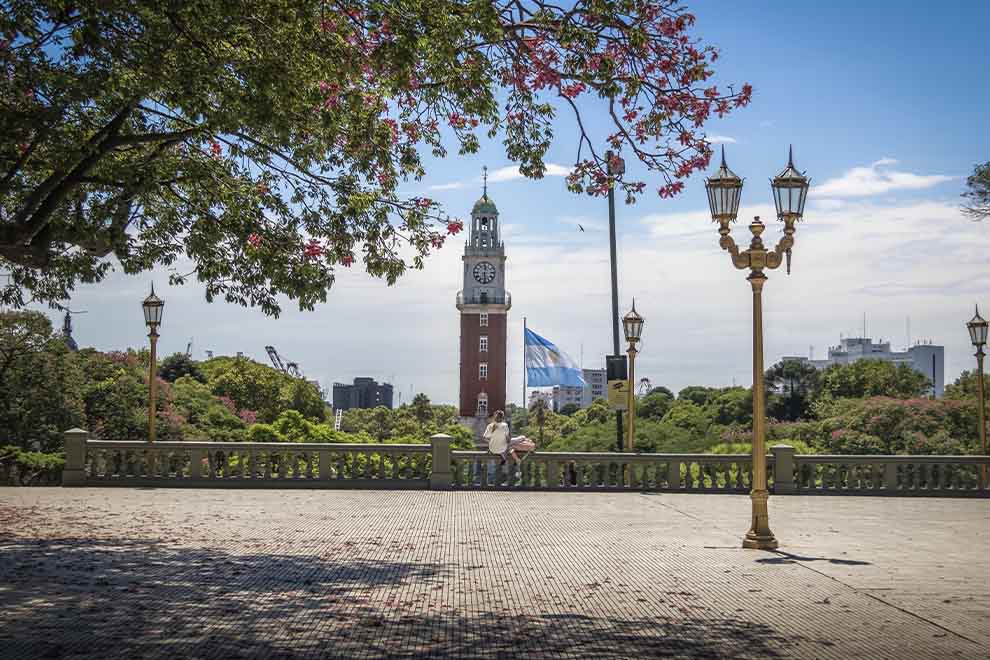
[122,598]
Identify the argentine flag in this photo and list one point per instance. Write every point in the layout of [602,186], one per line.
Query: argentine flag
[548,365]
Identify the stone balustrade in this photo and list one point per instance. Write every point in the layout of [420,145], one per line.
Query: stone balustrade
[889,475]
[92,462]
[710,473]
[245,464]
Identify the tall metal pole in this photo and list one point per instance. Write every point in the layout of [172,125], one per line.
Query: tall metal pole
[524,405]
[982,406]
[615,293]
[759,534]
[152,383]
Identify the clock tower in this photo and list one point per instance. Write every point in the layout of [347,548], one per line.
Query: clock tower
[483,303]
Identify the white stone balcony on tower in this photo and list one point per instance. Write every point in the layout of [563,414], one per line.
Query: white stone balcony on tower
[483,300]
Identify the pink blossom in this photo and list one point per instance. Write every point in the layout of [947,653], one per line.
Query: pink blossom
[313,249]
[347,260]
[254,240]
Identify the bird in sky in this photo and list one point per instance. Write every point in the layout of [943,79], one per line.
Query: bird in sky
[580,227]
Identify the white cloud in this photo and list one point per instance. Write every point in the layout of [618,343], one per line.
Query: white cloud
[502,174]
[448,186]
[876,179]
[720,139]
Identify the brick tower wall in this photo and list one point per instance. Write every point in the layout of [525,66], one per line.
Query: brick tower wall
[471,384]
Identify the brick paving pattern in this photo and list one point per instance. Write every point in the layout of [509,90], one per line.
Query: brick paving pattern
[145,573]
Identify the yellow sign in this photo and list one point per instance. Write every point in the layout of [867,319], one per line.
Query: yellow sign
[618,394]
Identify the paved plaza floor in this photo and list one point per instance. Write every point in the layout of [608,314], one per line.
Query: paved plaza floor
[158,573]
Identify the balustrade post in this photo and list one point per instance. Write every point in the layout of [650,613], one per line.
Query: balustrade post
[74,472]
[674,475]
[783,469]
[440,474]
[553,474]
[196,457]
[890,477]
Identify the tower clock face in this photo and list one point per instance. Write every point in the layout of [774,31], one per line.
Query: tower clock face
[484,272]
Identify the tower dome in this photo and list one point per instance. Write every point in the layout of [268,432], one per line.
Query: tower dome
[484,206]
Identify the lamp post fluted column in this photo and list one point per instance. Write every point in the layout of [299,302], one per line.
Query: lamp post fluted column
[983,415]
[152,383]
[631,398]
[790,189]
[978,335]
[152,307]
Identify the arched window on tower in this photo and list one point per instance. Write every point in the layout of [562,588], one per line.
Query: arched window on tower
[482,405]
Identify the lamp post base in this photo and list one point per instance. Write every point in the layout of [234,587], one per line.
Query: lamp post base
[759,536]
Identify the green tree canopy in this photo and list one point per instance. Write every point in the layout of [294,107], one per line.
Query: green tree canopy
[178,365]
[869,378]
[697,394]
[655,404]
[977,195]
[259,388]
[660,389]
[260,146]
[965,386]
[792,386]
[40,383]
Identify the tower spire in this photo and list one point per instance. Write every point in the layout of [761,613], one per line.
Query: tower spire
[484,175]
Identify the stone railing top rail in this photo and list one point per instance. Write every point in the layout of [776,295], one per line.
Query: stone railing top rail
[265,446]
[616,457]
[878,458]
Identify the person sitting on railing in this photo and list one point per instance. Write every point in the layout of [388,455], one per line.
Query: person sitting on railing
[499,442]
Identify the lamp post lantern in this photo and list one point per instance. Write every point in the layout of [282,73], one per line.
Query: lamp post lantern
[153,307]
[632,323]
[615,167]
[790,190]
[978,335]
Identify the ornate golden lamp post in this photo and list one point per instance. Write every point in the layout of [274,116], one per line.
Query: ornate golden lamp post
[153,306]
[978,334]
[790,190]
[632,323]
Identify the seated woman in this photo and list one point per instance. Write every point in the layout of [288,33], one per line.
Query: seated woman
[499,442]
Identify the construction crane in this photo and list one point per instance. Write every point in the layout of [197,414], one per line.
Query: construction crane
[290,368]
[276,360]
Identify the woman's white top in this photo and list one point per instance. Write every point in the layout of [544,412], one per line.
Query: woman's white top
[497,435]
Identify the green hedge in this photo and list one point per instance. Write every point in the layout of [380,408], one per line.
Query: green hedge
[30,468]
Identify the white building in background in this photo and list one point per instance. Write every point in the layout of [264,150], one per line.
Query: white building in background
[582,397]
[925,358]
[536,395]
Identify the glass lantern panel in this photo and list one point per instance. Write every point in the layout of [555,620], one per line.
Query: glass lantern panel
[803,199]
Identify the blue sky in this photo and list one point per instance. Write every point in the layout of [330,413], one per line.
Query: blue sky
[885,106]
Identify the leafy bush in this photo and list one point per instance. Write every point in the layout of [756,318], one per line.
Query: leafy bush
[30,468]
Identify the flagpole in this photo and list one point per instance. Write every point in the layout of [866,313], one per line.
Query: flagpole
[524,363]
